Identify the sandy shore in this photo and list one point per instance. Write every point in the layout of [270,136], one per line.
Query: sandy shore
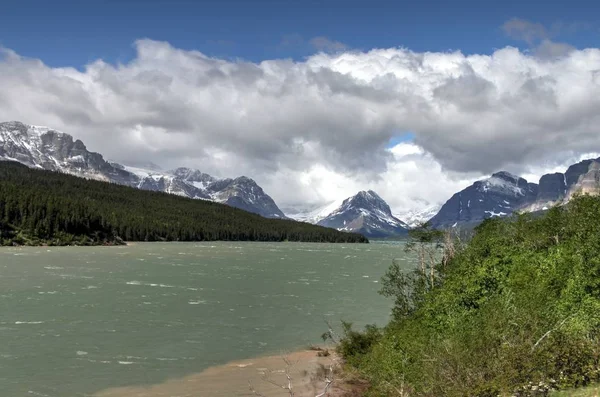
[233,379]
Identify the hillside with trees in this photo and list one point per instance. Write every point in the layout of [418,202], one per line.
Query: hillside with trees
[514,311]
[44,207]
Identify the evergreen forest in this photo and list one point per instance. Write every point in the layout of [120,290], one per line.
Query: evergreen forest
[40,207]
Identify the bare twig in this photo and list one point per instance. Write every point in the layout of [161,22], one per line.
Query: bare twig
[253,390]
[330,377]
[549,331]
[331,333]
[288,387]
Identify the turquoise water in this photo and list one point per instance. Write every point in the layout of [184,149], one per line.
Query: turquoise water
[77,320]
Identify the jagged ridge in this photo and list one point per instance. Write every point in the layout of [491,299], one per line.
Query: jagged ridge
[504,193]
[45,148]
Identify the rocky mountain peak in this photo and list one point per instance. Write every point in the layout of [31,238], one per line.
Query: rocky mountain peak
[195,177]
[507,176]
[499,195]
[245,193]
[368,200]
[244,180]
[503,183]
[366,213]
[503,193]
[43,147]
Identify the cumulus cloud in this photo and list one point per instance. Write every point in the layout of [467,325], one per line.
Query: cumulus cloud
[317,129]
[412,179]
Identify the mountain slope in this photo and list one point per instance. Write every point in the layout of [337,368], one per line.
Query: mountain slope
[244,193]
[45,148]
[559,188]
[313,214]
[38,206]
[48,149]
[414,218]
[504,193]
[499,195]
[365,213]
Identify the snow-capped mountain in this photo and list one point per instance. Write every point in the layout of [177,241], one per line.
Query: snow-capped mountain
[160,181]
[365,213]
[313,214]
[499,195]
[45,148]
[504,193]
[244,193]
[193,177]
[42,147]
[416,217]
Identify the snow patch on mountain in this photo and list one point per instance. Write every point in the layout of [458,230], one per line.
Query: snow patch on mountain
[313,214]
[366,213]
[43,147]
[503,182]
[416,217]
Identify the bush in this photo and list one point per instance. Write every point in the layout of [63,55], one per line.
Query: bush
[516,310]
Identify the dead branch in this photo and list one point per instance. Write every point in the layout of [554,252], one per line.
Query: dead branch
[288,387]
[549,331]
[253,390]
[331,333]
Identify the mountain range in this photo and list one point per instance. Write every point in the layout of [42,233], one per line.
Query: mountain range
[504,193]
[366,212]
[45,148]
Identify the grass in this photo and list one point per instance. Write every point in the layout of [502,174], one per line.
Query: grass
[590,391]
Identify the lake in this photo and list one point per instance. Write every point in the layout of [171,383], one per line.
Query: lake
[78,320]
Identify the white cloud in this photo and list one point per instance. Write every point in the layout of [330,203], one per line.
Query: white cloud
[316,130]
[412,179]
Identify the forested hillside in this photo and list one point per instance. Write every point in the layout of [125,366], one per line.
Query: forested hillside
[514,311]
[43,207]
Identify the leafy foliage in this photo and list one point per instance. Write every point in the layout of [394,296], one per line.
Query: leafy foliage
[515,308]
[43,207]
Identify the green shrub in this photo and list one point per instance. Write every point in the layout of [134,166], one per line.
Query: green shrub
[514,311]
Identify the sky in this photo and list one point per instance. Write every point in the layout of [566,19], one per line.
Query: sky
[315,100]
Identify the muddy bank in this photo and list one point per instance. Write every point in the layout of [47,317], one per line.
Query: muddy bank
[234,379]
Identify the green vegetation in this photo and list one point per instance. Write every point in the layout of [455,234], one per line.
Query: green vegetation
[590,391]
[513,312]
[43,207]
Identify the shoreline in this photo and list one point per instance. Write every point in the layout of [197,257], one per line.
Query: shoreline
[235,378]
[132,243]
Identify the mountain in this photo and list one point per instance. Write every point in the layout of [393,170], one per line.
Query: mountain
[312,213]
[504,193]
[499,195]
[45,148]
[44,207]
[414,218]
[161,181]
[244,193]
[193,177]
[365,213]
